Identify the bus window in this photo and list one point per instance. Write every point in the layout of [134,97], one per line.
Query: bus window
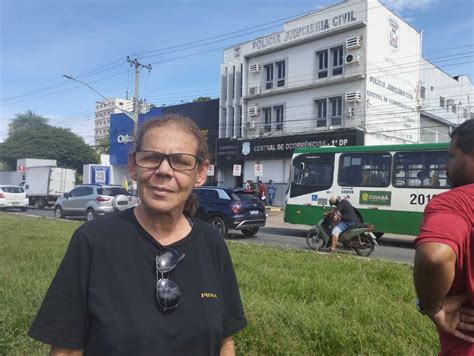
[312,173]
[420,169]
[364,169]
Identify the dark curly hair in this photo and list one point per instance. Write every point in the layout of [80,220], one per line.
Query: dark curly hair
[464,135]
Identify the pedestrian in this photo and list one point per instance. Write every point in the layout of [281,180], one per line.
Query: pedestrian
[444,259]
[248,185]
[148,280]
[271,188]
[262,192]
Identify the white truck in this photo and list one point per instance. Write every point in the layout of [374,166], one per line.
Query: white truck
[45,184]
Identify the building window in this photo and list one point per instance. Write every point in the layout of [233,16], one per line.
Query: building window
[280,68]
[268,76]
[453,108]
[464,113]
[279,111]
[336,110]
[442,101]
[423,92]
[321,113]
[337,54]
[267,117]
[322,58]
[331,117]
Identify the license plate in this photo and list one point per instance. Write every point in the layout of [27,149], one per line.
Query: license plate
[122,203]
[15,203]
[254,212]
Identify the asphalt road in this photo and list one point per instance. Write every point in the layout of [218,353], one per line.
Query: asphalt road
[276,232]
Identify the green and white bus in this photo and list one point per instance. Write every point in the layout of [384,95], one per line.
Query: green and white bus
[390,185]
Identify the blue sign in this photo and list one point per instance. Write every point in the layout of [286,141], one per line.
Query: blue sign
[99,174]
[121,138]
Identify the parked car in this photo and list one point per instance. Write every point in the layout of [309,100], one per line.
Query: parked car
[13,196]
[227,209]
[92,201]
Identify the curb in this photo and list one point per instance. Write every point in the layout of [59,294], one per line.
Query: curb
[274,208]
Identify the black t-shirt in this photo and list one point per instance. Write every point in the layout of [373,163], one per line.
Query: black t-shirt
[103,300]
[347,211]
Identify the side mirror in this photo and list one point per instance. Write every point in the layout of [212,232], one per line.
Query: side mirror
[66,195]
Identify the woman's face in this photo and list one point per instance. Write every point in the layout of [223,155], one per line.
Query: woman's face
[165,190]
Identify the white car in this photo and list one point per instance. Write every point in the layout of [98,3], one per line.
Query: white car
[13,196]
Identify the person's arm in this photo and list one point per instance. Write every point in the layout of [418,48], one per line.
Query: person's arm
[58,351]
[433,275]
[228,347]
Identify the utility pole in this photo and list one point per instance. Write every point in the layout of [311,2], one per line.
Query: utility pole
[136,104]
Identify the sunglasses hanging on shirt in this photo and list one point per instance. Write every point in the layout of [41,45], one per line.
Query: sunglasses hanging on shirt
[167,292]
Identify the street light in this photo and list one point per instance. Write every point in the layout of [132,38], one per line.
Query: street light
[128,113]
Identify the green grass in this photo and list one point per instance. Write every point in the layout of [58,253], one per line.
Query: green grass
[296,302]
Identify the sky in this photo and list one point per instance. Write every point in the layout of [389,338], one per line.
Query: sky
[40,40]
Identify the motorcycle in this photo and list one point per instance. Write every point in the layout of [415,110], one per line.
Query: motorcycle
[359,238]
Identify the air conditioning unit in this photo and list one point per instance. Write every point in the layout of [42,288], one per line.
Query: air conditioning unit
[254,90]
[254,111]
[350,112]
[250,124]
[354,42]
[353,96]
[255,68]
[352,58]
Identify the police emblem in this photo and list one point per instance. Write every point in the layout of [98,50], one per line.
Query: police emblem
[245,148]
[393,37]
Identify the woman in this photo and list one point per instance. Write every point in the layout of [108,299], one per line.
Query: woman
[149,280]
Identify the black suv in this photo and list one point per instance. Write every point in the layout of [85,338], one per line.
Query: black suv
[226,209]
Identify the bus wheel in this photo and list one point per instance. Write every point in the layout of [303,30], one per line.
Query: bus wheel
[314,240]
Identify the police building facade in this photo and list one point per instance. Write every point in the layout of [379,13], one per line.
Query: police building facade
[350,74]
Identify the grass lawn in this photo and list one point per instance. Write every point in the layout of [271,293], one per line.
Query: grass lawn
[296,302]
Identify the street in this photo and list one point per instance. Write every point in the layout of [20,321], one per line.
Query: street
[278,233]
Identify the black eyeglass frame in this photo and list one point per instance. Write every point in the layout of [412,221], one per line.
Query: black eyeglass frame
[165,282]
[163,156]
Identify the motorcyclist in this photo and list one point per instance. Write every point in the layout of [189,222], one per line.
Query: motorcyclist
[348,219]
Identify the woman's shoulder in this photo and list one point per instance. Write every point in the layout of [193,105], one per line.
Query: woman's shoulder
[110,225]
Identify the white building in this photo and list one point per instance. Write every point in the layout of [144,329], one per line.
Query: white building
[354,68]
[103,110]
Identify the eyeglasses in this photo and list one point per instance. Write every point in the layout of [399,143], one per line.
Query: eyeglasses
[167,292]
[177,161]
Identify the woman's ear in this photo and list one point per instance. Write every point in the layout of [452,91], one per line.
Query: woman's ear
[132,168]
[202,173]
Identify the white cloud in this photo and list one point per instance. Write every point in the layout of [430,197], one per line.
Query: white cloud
[401,6]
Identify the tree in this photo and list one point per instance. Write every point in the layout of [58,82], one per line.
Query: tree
[28,120]
[47,142]
[103,145]
[201,98]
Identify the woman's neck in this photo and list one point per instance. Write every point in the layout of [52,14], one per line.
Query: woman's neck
[165,228]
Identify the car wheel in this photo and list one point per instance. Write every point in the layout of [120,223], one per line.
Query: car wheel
[90,214]
[23,209]
[250,232]
[58,213]
[219,225]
